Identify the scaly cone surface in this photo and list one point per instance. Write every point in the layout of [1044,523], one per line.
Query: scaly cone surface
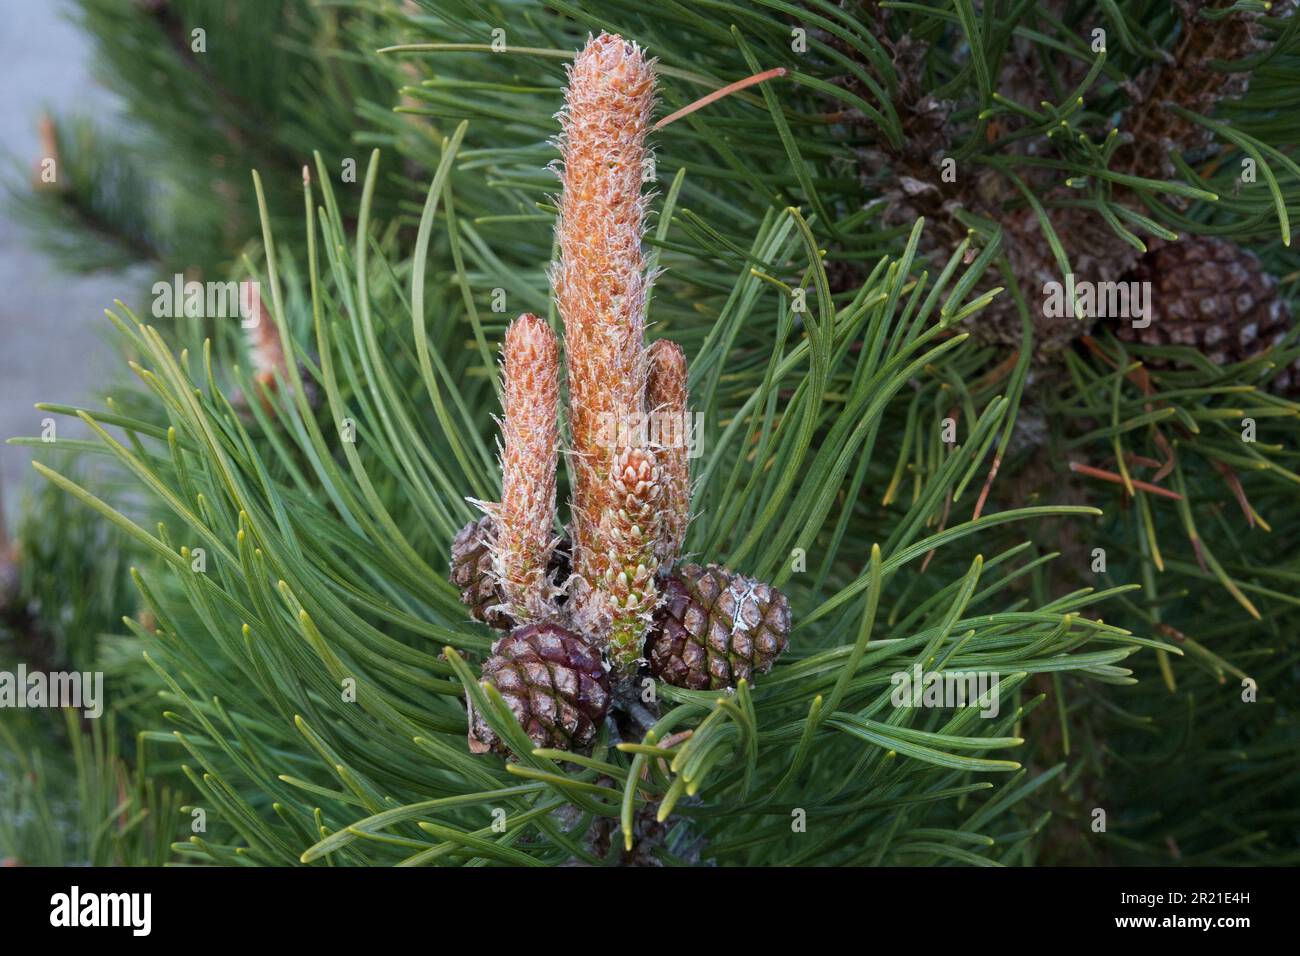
[600,286]
[474,574]
[631,528]
[1212,295]
[553,683]
[716,628]
[525,535]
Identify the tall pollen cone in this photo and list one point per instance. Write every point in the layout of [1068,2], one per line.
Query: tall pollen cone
[530,448]
[600,288]
[666,403]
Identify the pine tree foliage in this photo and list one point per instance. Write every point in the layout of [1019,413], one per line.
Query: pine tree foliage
[99,211]
[75,791]
[320,585]
[81,804]
[1021,94]
[833,340]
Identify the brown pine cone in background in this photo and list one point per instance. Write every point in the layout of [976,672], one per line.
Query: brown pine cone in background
[907,177]
[1190,80]
[716,627]
[913,188]
[1095,252]
[1212,295]
[555,685]
[908,180]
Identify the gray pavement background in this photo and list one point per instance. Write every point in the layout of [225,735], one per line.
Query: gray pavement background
[53,342]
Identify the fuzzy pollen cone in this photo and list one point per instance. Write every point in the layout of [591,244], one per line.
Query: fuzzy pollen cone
[48,171]
[666,403]
[600,287]
[525,533]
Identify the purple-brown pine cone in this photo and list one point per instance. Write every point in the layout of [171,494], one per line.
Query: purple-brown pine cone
[716,627]
[472,573]
[554,683]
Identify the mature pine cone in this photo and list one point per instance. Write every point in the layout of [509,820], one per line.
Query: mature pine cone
[1211,294]
[471,571]
[555,684]
[716,627]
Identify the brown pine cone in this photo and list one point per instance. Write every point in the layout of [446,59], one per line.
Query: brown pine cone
[555,684]
[1191,80]
[1095,252]
[716,627]
[1212,295]
[471,571]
